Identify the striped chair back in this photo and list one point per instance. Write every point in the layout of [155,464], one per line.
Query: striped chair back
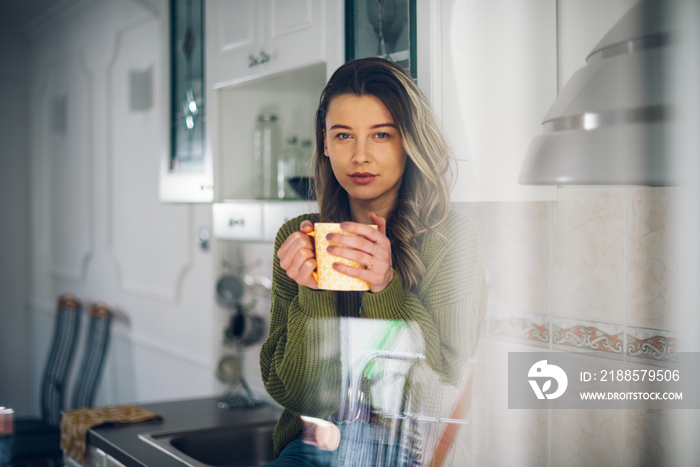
[96,344]
[61,352]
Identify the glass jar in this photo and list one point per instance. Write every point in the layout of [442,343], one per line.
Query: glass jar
[287,168]
[304,164]
[266,149]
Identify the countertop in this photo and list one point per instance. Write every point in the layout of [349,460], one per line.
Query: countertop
[122,442]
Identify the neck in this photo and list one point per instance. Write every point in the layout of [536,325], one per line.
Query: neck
[359,210]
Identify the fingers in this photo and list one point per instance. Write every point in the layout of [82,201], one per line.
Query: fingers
[362,257]
[363,230]
[297,258]
[365,239]
[369,247]
[306,226]
[379,221]
[299,265]
[355,271]
[294,242]
[303,274]
[291,241]
[350,242]
[366,245]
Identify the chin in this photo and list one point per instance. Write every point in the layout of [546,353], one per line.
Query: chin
[362,194]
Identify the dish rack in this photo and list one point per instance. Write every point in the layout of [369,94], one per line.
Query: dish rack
[398,431]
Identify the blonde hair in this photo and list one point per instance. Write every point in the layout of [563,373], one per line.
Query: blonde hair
[423,201]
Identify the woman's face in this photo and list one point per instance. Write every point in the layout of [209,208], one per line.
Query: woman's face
[364,147]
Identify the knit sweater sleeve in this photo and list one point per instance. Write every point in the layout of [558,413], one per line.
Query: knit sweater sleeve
[298,358]
[449,304]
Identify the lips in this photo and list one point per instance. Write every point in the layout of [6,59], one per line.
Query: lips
[362,178]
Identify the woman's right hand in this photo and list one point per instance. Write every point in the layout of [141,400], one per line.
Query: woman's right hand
[297,256]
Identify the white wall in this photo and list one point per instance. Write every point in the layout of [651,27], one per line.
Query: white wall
[99,230]
[15,353]
[581,25]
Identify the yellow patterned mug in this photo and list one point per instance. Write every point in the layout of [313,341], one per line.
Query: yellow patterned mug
[327,277]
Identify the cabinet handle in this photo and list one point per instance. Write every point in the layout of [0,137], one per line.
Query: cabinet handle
[259,60]
[235,222]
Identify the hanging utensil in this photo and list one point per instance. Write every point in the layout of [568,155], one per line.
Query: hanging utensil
[229,290]
[229,368]
[244,328]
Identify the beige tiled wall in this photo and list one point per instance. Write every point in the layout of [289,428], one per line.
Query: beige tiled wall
[587,437]
[660,437]
[588,254]
[596,255]
[515,247]
[596,270]
[652,282]
[503,437]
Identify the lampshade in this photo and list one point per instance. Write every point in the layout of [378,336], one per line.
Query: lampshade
[611,123]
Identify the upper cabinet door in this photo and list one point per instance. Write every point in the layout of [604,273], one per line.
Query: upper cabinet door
[233,33]
[186,166]
[295,33]
[254,38]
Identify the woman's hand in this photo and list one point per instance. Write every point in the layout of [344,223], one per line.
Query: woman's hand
[320,433]
[297,256]
[369,247]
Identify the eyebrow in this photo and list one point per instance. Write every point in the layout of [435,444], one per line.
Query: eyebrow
[378,125]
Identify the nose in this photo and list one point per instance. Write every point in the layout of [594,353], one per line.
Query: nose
[361,155]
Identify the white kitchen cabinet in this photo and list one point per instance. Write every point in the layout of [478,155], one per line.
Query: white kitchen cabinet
[179,180]
[304,41]
[94,457]
[247,39]
[237,220]
[255,220]
[291,96]
[276,214]
[490,71]
[295,35]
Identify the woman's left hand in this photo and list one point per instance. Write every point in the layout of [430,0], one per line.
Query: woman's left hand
[369,247]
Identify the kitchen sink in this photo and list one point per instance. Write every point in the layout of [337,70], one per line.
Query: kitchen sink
[226,446]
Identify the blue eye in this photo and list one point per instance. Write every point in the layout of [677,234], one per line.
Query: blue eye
[382,135]
[342,136]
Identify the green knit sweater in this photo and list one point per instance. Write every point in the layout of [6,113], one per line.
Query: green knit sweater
[448,307]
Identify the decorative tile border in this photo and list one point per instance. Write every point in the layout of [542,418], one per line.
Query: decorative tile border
[651,344]
[586,335]
[531,328]
[616,340]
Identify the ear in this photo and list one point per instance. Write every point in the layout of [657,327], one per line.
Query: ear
[325,144]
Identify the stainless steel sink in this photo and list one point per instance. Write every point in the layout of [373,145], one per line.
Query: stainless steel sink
[230,446]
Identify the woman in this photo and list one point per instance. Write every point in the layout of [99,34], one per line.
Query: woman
[379,159]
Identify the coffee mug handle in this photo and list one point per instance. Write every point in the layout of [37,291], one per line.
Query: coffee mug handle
[313,273]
